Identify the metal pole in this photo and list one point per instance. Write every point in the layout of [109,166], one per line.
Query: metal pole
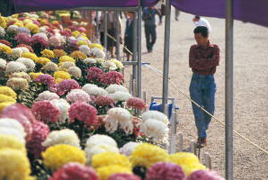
[105,32]
[97,26]
[134,51]
[229,90]
[139,51]
[166,53]
[118,33]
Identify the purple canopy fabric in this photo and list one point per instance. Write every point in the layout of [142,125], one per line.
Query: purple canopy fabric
[254,11]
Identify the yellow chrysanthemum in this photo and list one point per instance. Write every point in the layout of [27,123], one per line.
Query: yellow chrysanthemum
[63,69]
[5,90]
[110,158]
[96,45]
[48,53]
[19,23]
[118,63]
[66,58]
[35,75]
[43,21]
[81,42]
[32,27]
[78,55]
[3,22]
[12,142]
[84,35]
[14,164]
[188,169]
[4,98]
[62,75]
[4,105]
[59,80]
[106,171]
[30,55]
[27,20]
[23,75]
[56,156]
[75,33]
[147,154]
[5,49]
[183,158]
[59,52]
[43,60]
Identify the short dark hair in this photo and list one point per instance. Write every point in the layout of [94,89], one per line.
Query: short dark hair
[201,29]
[197,17]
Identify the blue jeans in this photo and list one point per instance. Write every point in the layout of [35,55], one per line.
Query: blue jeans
[202,91]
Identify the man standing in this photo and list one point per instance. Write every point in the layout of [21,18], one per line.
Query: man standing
[200,21]
[149,25]
[203,59]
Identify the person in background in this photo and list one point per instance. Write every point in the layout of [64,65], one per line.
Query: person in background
[200,21]
[204,57]
[177,13]
[128,39]
[149,25]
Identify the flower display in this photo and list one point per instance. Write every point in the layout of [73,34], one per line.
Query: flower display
[66,85]
[83,112]
[112,77]
[136,103]
[30,65]
[5,49]
[30,55]
[112,88]
[165,171]
[40,133]
[97,53]
[23,38]
[128,148]
[66,58]
[204,175]
[59,53]
[99,139]
[85,49]
[78,55]
[47,95]
[14,66]
[90,61]
[147,154]
[50,66]
[155,115]
[4,98]
[118,63]
[45,111]
[94,74]
[64,136]
[12,29]
[78,95]
[17,83]
[21,75]
[109,65]
[75,72]
[35,75]
[14,164]
[103,100]
[122,176]
[61,154]
[73,171]
[3,64]
[4,105]
[5,90]
[42,60]
[106,171]
[46,79]
[120,96]
[64,107]
[12,142]
[47,53]
[94,90]
[62,75]
[67,65]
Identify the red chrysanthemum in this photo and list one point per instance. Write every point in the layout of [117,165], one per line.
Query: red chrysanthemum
[165,171]
[122,176]
[23,38]
[94,74]
[5,42]
[136,103]
[103,100]
[66,85]
[39,40]
[46,79]
[40,133]
[204,175]
[83,112]
[112,77]
[74,171]
[45,111]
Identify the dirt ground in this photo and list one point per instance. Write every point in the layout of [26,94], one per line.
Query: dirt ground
[250,91]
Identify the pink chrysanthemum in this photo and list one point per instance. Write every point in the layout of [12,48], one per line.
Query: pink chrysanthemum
[112,77]
[66,33]
[204,175]
[104,101]
[45,111]
[5,42]
[28,47]
[38,40]
[83,112]
[66,85]
[136,103]
[78,95]
[46,79]
[94,74]
[122,176]
[40,133]
[165,171]
[81,29]
[75,171]
[23,38]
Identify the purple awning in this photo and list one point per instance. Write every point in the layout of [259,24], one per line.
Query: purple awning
[254,11]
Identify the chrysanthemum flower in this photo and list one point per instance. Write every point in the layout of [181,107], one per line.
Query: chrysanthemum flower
[190,168]
[14,66]
[147,154]
[78,55]
[97,53]
[120,96]
[136,103]
[84,48]
[23,75]
[204,175]
[17,83]
[43,60]
[12,29]
[47,95]
[83,112]
[165,171]
[47,53]
[94,90]
[23,46]
[78,95]
[61,154]
[4,105]
[90,61]
[66,58]
[12,127]
[3,64]
[112,88]
[30,65]
[75,72]
[94,74]
[96,45]
[30,55]
[106,171]
[45,111]
[5,90]
[109,65]
[112,77]
[118,63]
[59,52]
[32,27]
[73,171]
[103,100]
[5,49]
[38,40]
[98,139]
[55,41]
[64,107]
[155,115]
[62,75]
[67,65]
[23,38]
[50,66]
[66,85]
[40,133]
[4,98]
[46,79]
[182,158]
[12,142]
[5,42]
[128,148]
[122,176]
[35,75]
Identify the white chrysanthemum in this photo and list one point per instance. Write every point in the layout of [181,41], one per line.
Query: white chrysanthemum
[70,39]
[17,83]
[2,32]
[43,29]
[99,139]
[3,63]
[120,96]
[90,61]
[85,49]
[75,72]
[97,149]
[64,136]
[50,66]
[12,29]
[112,88]
[78,95]
[42,35]
[88,85]
[67,65]
[128,148]
[23,75]
[118,116]
[154,128]
[47,95]
[24,30]
[155,115]
[118,63]
[97,53]
[16,53]
[94,90]
[30,65]
[24,49]
[64,107]
[13,67]
[109,65]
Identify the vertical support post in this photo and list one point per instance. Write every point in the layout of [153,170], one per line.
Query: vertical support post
[105,32]
[118,34]
[180,142]
[139,84]
[173,133]
[131,84]
[144,97]
[207,160]
[97,27]
[166,53]
[134,46]
[193,148]
[229,91]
